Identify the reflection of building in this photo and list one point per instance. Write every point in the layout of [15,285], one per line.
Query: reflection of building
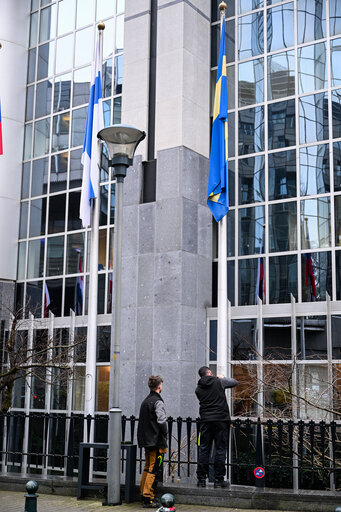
[284,152]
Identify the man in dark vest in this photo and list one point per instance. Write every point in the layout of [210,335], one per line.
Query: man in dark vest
[152,436]
[214,424]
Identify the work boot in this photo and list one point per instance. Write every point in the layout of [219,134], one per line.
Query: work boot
[149,503]
[221,483]
[201,482]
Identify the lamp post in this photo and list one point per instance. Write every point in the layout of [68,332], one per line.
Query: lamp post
[122,141]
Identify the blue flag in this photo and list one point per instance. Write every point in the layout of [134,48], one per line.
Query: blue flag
[94,123]
[217,191]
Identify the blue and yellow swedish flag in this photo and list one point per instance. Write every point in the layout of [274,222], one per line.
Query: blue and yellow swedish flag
[217,191]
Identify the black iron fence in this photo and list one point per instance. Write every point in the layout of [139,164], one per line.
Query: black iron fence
[293,454]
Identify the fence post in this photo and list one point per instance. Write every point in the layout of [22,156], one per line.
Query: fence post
[31,496]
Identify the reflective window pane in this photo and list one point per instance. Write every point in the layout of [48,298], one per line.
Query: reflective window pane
[55,290]
[335,56]
[337,166]
[78,126]
[281,75]
[55,256]
[336,329]
[251,180]
[66,16]
[282,127]
[31,70]
[33,298]
[311,20]
[38,217]
[278,379]
[280,26]
[43,98]
[337,212]
[282,279]
[107,78]
[251,82]
[120,33]
[78,387]
[104,9]
[244,403]
[100,297]
[231,137]
[251,230]
[76,169]
[25,180]
[103,213]
[282,227]
[314,170]
[28,141]
[45,60]
[315,223]
[29,103]
[311,337]
[282,174]
[35,262]
[336,110]
[251,282]
[41,137]
[118,74]
[244,339]
[81,86]
[23,220]
[107,112]
[335,17]
[34,29]
[103,343]
[74,221]
[40,172]
[84,46]
[102,388]
[85,12]
[230,233]
[63,55]
[58,174]
[249,5]
[60,132]
[73,295]
[338,274]
[62,93]
[59,389]
[47,29]
[316,269]
[102,249]
[251,35]
[56,213]
[75,253]
[313,118]
[312,68]
[276,340]
[251,130]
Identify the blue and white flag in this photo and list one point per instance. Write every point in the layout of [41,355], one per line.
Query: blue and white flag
[90,157]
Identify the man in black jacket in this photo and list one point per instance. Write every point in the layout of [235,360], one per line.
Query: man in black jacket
[214,422]
[152,436]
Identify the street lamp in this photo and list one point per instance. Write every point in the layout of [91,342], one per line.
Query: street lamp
[122,141]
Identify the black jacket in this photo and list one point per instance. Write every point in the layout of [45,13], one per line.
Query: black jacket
[212,400]
[150,433]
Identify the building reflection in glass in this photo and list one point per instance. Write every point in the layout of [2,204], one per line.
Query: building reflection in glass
[314,170]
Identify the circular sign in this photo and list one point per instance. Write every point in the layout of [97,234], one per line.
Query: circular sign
[259,472]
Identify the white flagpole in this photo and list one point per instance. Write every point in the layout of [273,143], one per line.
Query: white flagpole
[222,277]
[90,379]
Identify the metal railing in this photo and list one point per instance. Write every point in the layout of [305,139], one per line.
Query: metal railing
[294,454]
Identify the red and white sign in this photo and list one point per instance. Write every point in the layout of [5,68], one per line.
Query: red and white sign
[259,472]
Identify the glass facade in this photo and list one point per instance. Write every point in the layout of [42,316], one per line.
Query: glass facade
[53,262]
[283,234]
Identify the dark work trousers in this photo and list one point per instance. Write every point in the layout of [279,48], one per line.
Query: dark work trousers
[217,432]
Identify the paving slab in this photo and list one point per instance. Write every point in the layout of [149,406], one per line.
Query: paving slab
[15,502]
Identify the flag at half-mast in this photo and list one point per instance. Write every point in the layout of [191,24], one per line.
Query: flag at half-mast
[90,157]
[217,191]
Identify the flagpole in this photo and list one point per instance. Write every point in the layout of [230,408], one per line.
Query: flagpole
[90,380]
[222,275]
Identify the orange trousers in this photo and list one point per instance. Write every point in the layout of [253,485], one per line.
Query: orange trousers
[151,471]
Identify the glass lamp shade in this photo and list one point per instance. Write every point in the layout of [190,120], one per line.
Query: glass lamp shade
[121,140]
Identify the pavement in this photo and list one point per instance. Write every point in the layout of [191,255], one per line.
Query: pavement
[15,502]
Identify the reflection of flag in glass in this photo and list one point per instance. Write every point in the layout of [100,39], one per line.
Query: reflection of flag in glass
[309,275]
[110,293]
[217,190]
[79,288]
[47,300]
[260,285]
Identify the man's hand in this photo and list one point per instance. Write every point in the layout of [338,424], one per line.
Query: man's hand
[221,376]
